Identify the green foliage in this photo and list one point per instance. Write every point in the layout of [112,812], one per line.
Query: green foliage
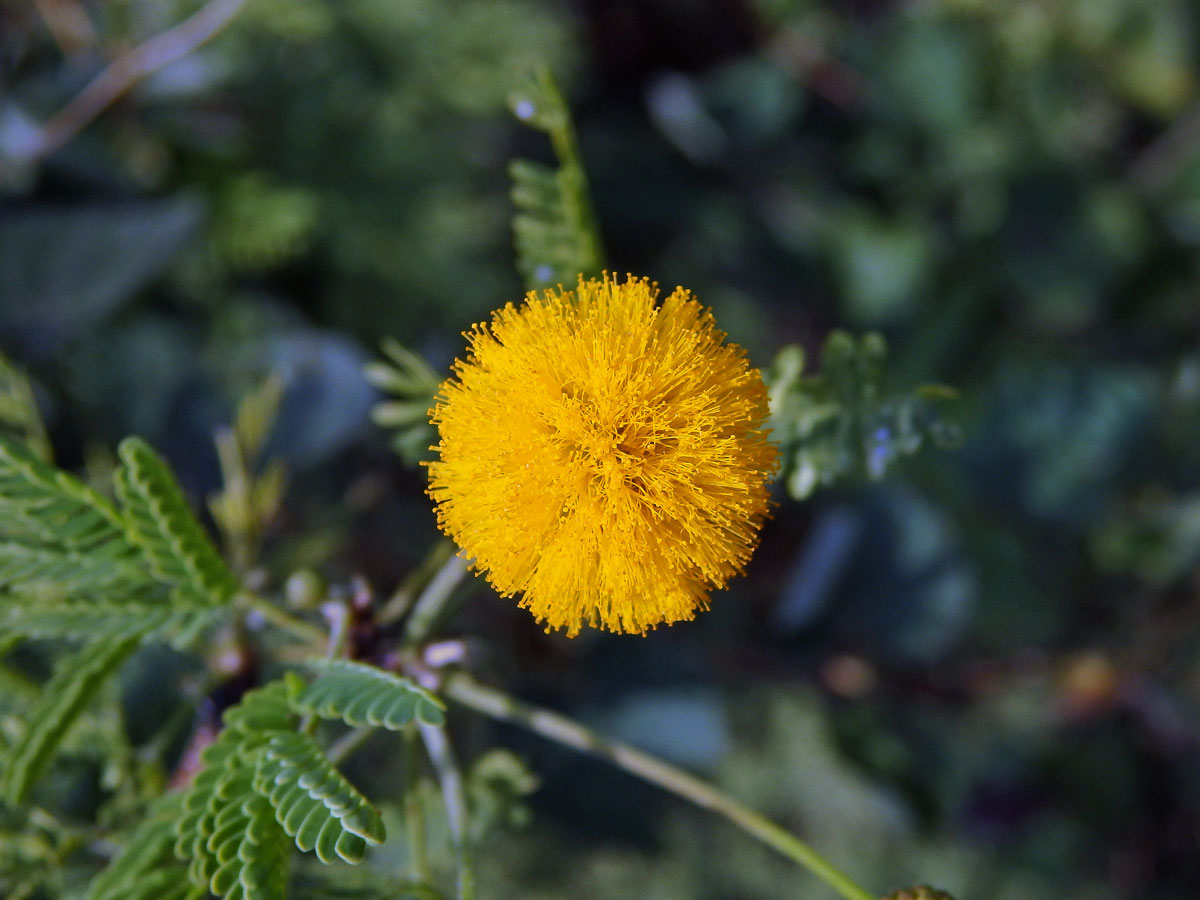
[101,620]
[63,541]
[160,523]
[19,412]
[49,571]
[264,783]
[146,867]
[313,802]
[363,695]
[43,507]
[1011,188]
[841,422]
[228,832]
[1157,538]
[555,231]
[74,566]
[259,224]
[76,681]
[412,383]
[250,499]
[497,785]
[68,266]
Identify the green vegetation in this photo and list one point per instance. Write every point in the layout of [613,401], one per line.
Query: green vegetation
[958,237]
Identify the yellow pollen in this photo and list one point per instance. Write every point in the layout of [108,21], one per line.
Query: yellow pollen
[603,457]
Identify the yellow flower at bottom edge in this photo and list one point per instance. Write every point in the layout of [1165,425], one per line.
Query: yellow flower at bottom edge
[603,456]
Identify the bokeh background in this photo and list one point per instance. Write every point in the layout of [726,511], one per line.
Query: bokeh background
[980,672]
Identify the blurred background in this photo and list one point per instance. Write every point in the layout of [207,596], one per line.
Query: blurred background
[982,671]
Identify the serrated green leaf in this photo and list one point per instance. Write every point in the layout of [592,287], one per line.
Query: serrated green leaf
[160,522]
[361,695]
[312,800]
[76,680]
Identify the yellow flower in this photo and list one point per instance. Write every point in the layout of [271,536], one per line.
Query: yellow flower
[603,457]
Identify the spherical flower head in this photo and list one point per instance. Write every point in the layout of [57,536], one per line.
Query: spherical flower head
[603,456]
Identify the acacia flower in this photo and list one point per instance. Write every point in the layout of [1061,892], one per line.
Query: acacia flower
[602,456]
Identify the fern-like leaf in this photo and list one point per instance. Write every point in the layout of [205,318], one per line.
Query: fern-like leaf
[227,831]
[56,572]
[18,409]
[160,522]
[554,229]
[39,505]
[99,620]
[75,682]
[364,695]
[146,867]
[412,384]
[313,802]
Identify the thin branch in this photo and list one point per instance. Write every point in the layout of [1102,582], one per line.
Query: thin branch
[299,629]
[348,744]
[399,604]
[449,776]
[139,63]
[499,705]
[431,606]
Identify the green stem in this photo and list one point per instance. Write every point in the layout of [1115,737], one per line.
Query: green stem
[499,705]
[347,744]
[430,607]
[298,628]
[401,601]
[441,754]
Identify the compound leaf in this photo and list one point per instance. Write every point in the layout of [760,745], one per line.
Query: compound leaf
[361,695]
[146,867]
[55,571]
[19,411]
[313,801]
[227,831]
[65,696]
[161,523]
[97,620]
[41,505]
[554,229]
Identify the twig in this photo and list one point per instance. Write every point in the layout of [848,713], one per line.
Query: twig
[402,600]
[347,744]
[558,728]
[337,614]
[297,628]
[140,62]
[431,605]
[437,743]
